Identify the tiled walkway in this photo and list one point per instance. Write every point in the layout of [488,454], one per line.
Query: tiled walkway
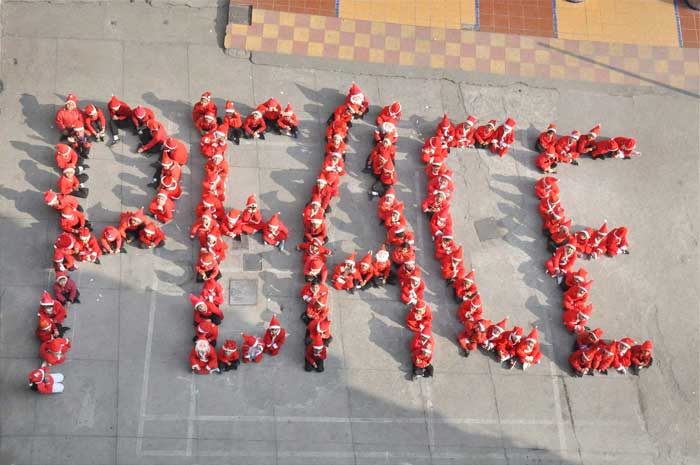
[389,43]
[642,22]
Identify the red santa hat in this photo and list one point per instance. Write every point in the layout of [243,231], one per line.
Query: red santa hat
[196,300]
[420,305]
[510,123]
[580,275]
[37,376]
[533,336]
[62,149]
[288,110]
[170,143]
[166,161]
[603,229]
[153,125]
[475,301]
[572,244]
[71,98]
[168,182]
[209,199]
[204,327]
[50,197]
[323,326]
[585,312]
[84,233]
[627,341]
[351,259]
[274,323]
[149,227]
[230,346]
[586,286]
[367,259]
[596,333]
[395,108]
[46,300]
[205,95]
[502,324]
[457,255]
[595,131]
[67,212]
[470,276]
[471,120]
[44,324]
[206,259]
[230,108]
[61,275]
[629,144]
[271,102]
[139,112]
[552,128]
[233,214]
[516,333]
[648,346]
[55,345]
[162,194]
[354,90]
[251,201]
[64,241]
[221,130]
[110,233]
[492,123]
[114,103]
[445,122]
[436,141]
[249,340]
[274,221]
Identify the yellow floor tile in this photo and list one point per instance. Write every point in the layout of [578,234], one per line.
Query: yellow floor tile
[315,49]
[285,46]
[407,58]
[498,66]
[643,22]
[346,52]
[467,63]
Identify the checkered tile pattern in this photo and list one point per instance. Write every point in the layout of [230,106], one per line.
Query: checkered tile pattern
[374,42]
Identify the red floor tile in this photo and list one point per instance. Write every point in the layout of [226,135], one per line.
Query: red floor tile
[309,7]
[526,17]
[690,25]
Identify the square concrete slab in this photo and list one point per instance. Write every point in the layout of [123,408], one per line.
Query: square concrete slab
[243,291]
[487,229]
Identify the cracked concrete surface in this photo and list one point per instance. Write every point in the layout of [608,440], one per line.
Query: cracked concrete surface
[129,397]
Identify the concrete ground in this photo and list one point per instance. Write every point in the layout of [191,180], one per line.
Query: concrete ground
[130,398]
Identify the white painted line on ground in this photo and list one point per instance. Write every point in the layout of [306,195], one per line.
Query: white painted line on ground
[358,420]
[193,412]
[146,366]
